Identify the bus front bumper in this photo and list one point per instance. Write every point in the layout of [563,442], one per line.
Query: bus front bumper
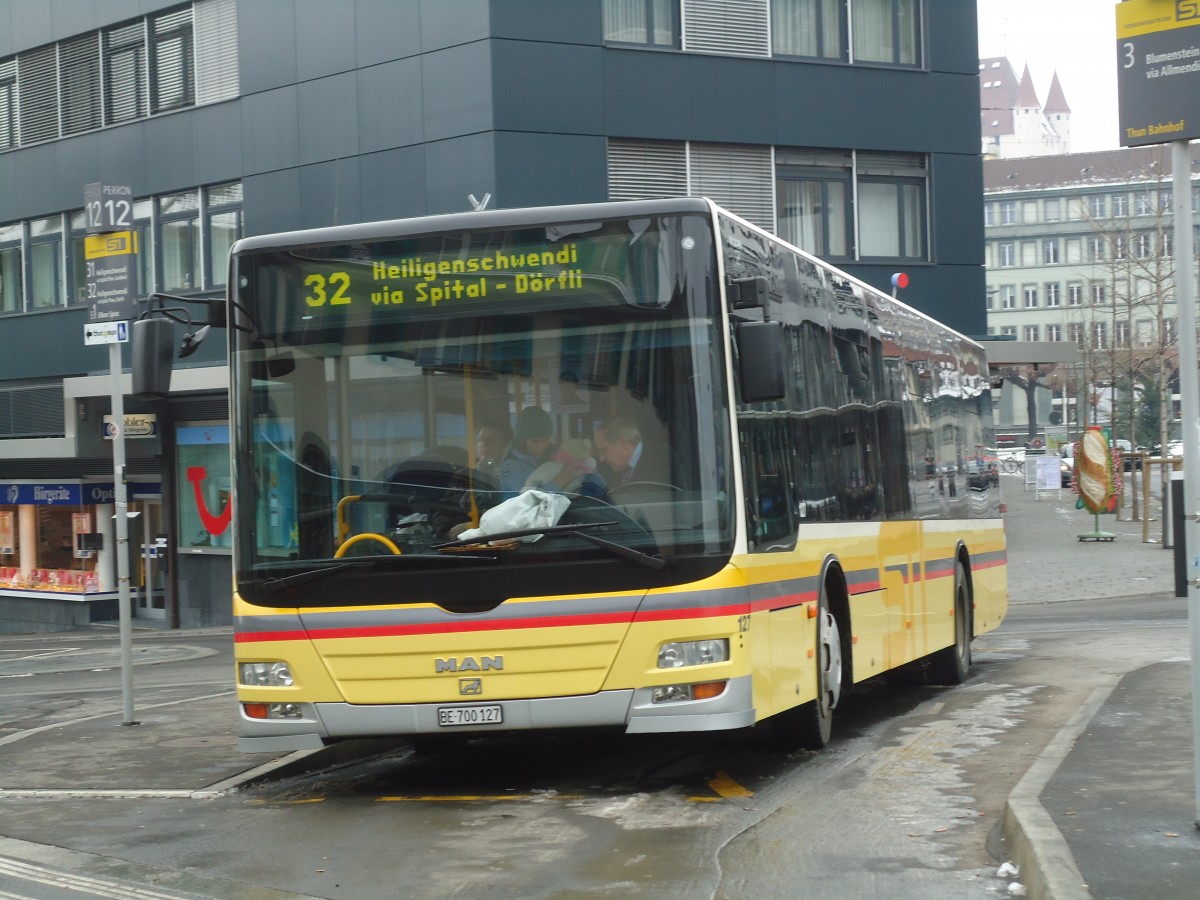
[322,723]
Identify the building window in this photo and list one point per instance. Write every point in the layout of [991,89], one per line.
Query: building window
[647,22]
[171,66]
[1008,212]
[179,241]
[891,205]
[1053,293]
[1120,246]
[989,214]
[1099,294]
[1097,205]
[1008,254]
[1030,292]
[1029,333]
[125,73]
[886,31]
[1008,297]
[1120,206]
[1143,205]
[1142,245]
[1075,294]
[45,262]
[77,259]
[1096,249]
[1054,333]
[1008,330]
[1144,332]
[1051,210]
[810,28]
[1050,251]
[1166,244]
[1075,333]
[10,268]
[223,211]
[813,204]
[1121,334]
[1168,331]
[8,105]
[1099,335]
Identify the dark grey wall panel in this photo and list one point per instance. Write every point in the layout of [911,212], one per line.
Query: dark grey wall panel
[266,44]
[272,201]
[456,90]
[957,220]
[328,118]
[537,169]
[543,20]
[449,24]
[389,105]
[547,87]
[393,184]
[387,30]
[646,94]
[169,155]
[217,142]
[954,32]
[47,345]
[330,193]
[457,167]
[325,38]
[271,130]
[731,99]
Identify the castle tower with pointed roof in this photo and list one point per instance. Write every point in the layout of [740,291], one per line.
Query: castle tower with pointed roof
[1014,121]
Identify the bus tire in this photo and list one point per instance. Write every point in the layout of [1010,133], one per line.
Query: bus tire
[952,665]
[810,725]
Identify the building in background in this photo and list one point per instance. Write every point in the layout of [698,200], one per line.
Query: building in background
[847,128]
[1079,248]
[1014,121]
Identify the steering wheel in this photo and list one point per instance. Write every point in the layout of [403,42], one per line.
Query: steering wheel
[366,536]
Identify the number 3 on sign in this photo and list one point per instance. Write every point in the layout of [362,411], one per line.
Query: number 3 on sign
[337,282]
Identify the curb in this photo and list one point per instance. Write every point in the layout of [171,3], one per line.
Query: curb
[1047,865]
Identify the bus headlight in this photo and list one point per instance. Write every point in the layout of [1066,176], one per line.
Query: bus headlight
[677,654]
[265,674]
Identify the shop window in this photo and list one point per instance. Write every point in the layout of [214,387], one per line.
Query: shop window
[203,476]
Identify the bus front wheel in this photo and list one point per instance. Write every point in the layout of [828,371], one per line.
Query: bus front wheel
[810,725]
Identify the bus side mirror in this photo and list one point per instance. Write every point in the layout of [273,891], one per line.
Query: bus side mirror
[761,361]
[151,349]
[749,293]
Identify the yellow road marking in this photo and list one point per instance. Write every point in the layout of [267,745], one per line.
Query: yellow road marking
[727,788]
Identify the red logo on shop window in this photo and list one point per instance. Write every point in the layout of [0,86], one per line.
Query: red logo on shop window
[212,524]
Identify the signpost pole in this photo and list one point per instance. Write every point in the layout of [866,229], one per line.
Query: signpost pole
[110,251]
[1189,418]
[122,522]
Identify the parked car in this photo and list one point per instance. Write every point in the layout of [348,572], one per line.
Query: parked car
[1066,463]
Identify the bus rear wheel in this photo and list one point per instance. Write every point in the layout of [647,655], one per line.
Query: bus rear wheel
[952,665]
[810,726]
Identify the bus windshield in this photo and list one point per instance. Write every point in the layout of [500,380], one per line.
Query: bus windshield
[482,405]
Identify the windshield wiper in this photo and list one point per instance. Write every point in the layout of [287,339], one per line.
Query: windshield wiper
[275,585]
[650,561]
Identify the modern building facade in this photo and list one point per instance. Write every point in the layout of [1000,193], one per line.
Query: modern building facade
[847,126]
[1080,249]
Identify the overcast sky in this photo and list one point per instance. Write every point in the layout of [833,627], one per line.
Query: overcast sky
[1076,38]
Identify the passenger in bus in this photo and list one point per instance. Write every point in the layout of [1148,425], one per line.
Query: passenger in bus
[571,469]
[530,448]
[491,443]
[625,458]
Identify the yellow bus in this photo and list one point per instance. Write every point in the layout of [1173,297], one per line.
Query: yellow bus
[638,465]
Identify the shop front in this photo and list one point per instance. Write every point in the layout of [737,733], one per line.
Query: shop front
[58,553]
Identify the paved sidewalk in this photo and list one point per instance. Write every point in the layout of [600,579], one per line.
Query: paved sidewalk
[1107,812]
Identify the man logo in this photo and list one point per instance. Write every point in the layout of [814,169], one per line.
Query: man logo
[469,664]
[467,686]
